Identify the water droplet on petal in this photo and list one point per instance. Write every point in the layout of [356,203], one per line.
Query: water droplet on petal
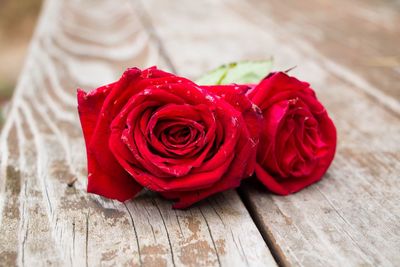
[256,108]
[210,98]
[234,121]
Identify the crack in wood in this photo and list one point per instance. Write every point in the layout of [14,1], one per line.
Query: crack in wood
[211,236]
[136,234]
[179,224]
[166,231]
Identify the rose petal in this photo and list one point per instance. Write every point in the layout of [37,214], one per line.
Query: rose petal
[111,181]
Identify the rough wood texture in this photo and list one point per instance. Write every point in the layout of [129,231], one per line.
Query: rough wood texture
[43,221]
[362,35]
[352,217]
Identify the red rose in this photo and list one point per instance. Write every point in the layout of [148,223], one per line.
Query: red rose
[156,130]
[297,140]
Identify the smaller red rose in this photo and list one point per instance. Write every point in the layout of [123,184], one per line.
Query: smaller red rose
[297,140]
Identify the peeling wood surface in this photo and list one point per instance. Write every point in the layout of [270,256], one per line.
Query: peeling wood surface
[352,217]
[43,221]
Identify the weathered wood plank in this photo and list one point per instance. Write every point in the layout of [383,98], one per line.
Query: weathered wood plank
[350,218]
[43,221]
[362,35]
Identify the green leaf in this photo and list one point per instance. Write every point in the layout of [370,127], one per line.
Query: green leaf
[237,72]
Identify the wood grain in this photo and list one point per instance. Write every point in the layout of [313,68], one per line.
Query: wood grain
[46,217]
[362,35]
[352,217]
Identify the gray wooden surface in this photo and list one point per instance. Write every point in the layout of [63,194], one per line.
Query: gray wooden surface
[346,50]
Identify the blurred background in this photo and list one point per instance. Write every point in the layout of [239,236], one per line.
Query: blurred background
[17,22]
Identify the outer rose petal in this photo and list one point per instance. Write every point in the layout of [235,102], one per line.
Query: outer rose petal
[277,89]
[112,180]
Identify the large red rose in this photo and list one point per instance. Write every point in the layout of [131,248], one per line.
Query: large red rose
[156,130]
[297,140]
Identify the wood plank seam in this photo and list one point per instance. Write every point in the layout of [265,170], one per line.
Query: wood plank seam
[147,23]
[268,237]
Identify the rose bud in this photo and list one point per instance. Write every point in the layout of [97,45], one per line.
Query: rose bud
[156,130]
[297,140]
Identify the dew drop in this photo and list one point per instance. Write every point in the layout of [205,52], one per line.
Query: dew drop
[210,98]
[234,121]
[256,108]
[253,142]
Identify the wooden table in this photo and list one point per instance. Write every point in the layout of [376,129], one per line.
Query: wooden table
[348,50]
